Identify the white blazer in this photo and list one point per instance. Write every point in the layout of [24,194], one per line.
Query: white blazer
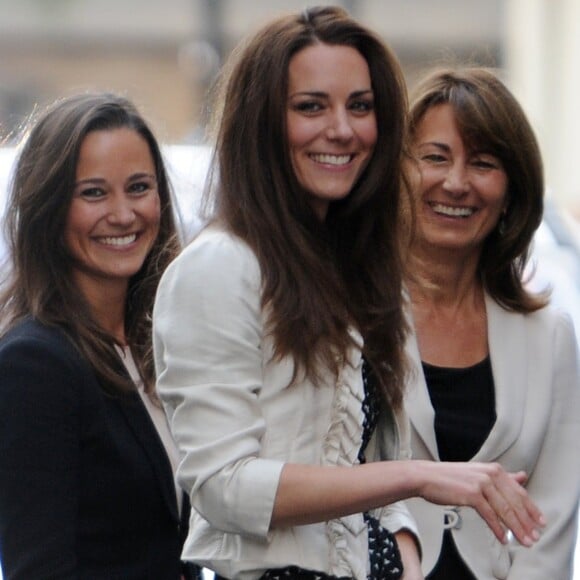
[237,422]
[534,361]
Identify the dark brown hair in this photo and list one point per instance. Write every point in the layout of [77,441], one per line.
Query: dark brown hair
[490,118]
[40,283]
[318,279]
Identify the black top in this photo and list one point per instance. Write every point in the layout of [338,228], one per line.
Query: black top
[464,403]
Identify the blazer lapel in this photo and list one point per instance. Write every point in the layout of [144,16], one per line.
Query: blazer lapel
[417,400]
[145,432]
[509,363]
[508,348]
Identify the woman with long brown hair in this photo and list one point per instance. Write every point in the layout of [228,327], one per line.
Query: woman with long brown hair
[279,332]
[86,456]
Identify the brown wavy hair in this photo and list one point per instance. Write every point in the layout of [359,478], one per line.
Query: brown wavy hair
[40,283]
[490,118]
[317,278]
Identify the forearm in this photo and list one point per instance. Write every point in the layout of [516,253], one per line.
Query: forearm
[410,557]
[308,494]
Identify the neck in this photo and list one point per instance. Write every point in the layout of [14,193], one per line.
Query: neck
[445,280]
[107,302]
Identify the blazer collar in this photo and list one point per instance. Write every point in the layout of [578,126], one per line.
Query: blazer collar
[507,347]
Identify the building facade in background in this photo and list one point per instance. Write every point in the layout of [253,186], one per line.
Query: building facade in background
[165,54]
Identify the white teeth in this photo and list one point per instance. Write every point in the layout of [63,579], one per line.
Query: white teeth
[331,159]
[452,211]
[118,241]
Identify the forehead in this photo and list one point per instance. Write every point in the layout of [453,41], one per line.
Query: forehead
[447,120]
[328,68]
[114,146]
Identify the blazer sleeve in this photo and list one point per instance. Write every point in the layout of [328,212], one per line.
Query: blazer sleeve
[555,481]
[39,447]
[207,344]
[396,445]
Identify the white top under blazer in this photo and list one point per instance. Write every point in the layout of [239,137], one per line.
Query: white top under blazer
[534,360]
[236,421]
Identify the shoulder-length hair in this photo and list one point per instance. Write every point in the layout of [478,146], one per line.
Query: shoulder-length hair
[490,119]
[318,279]
[40,283]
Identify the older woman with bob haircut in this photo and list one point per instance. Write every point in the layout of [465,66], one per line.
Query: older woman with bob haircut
[86,457]
[497,376]
[279,331]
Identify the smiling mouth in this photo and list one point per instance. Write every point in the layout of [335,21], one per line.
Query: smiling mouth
[328,159]
[118,240]
[451,211]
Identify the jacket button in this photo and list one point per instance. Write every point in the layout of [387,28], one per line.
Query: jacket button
[452,518]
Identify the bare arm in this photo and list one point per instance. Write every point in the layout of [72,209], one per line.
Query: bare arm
[308,494]
[409,555]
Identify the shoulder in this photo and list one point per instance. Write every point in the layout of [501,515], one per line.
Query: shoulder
[32,347]
[216,247]
[40,364]
[551,319]
[29,333]
[214,261]
[545,318]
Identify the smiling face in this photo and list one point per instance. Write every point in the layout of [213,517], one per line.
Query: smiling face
[332,128]
[463,191]
[113,219]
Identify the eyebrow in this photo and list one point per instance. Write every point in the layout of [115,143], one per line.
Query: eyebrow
[100,180]
[443,146]
[323,95]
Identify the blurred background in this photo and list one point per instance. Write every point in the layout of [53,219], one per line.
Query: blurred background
[165,53]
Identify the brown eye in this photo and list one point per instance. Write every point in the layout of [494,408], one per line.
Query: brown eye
[92,193]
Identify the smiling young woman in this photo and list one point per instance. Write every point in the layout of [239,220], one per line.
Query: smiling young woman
[279,331]
[86,457]
[332,127]
[114,216]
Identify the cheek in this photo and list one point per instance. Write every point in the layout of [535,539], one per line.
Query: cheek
[153,212]
[366,131]
[78,222]
[498,192]
[425,178]
[369,135]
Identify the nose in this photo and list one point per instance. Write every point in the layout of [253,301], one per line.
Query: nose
[340,127]
[457,179]
[121,210]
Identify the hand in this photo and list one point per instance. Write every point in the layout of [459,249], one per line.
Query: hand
[498,496]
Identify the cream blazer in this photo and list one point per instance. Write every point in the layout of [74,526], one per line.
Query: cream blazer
[534,361]
[236,422]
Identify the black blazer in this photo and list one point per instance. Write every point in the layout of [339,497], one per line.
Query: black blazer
[86,487]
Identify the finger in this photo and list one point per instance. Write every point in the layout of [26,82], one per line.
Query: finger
[520,477]
[491,518]
[514,510]
[536,514]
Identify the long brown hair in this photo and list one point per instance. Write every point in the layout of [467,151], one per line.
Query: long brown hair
[40,283]
[318,279]
[490,118]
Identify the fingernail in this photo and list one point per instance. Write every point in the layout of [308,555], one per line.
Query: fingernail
[536,535]
[542,521]
[528,541]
